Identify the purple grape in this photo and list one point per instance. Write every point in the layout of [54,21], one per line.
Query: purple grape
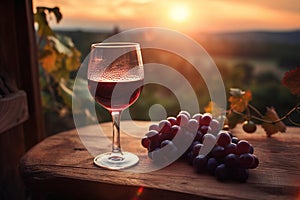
[246,160]
[145,142]
[221,172]
[196,149]
[223,139]
[192,145]
[154,137]
[204,129]
[240,174]
[218,152]
[225,156]
[190,157]
[164,126]
[255,163]
[182,119]
[231,160]
[242,147]
[206,119]
[152,134]
[251,149]
[234,140]
[197,117]
[171,134]
[185,113]
[172,120]
[198,136]
[230,148]
[154,127]
[165,143]
[212,163]
[199,163]
[175,129]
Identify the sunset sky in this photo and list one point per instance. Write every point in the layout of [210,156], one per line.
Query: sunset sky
[186,16]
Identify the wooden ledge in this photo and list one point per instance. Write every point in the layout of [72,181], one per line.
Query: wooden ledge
[61,164]
[13,110]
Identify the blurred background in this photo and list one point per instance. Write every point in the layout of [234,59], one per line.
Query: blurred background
[253,43]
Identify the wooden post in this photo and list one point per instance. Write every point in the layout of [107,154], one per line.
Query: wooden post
[18,64]
[29,74]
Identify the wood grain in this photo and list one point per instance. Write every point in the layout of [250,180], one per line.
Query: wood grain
[63,158]
[13,110]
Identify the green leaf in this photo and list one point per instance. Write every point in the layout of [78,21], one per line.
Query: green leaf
[43,26]
[65,92]
[65,40]
[59,46]
[73,61]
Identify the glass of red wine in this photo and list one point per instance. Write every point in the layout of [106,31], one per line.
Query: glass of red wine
[115,80]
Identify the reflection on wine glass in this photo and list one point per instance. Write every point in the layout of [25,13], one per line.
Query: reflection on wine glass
[115,80]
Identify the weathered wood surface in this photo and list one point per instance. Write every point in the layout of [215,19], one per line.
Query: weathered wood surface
[63,159]
[13,109]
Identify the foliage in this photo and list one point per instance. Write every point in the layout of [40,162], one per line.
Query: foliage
[241,110]
[276,126]
[239,99]
[291,80]
[58,58]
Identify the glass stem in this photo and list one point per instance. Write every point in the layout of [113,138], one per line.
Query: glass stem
[116,146]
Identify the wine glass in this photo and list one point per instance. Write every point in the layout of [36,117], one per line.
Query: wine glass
[115,80]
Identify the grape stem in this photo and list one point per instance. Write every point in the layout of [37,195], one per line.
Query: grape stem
[255,110]
[286,116]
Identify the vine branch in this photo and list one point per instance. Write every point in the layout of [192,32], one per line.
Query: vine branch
[286,116]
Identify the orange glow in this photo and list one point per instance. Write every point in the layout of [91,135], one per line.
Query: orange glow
[138,193]
[179,13]
[206,15]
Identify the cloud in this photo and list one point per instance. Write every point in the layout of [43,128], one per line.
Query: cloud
[286,5]
[216,15]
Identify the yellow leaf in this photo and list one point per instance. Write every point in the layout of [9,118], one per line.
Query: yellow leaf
[49,60]
[272,128]
[240,103]
[73,61]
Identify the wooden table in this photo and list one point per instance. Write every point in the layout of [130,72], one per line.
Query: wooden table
[60,165]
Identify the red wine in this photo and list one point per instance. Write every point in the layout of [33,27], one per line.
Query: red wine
[115,96]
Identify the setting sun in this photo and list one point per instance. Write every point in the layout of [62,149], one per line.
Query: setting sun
[179,13]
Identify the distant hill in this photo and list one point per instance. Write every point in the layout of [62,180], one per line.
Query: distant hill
[279,37]
[281,46]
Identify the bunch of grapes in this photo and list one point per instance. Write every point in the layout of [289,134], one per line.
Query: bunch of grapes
[213,150]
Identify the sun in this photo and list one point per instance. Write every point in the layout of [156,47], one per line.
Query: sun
[179,13]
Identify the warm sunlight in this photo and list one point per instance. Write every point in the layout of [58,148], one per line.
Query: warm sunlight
[179,13]
[190,15]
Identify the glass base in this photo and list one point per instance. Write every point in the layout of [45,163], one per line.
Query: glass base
[116,161]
